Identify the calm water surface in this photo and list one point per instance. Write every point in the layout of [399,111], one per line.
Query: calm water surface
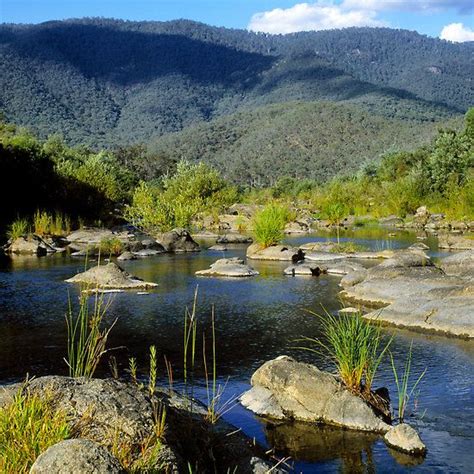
[257,319]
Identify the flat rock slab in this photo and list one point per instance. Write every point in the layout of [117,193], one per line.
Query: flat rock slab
[78,456]
[324,256]
[285,389]
[316,269]
[229,267]
[406,439]
[459,264]
[456,242]
[218,248]
[275,252]
[110,276]
[234,239]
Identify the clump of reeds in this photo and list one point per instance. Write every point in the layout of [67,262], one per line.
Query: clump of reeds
[28,426]
[404,392]
[269,224]
[18,228]
[355,346]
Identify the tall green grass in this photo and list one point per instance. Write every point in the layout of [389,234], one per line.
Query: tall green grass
[29,425]
[269,224]
[87,340]
[404,392]
[18,228]
[355,346]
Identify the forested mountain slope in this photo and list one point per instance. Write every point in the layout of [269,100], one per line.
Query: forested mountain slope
[105,82]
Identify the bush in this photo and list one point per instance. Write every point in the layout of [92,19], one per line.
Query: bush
[269,224]
[29,426]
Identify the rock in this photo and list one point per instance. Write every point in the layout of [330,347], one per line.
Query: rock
[406,259]
[248,210]
[455,242]
[229,267]
[126,256]
[458,225]
[76,456]
[205,234]
[89,236]
[305,269]
[218,248]
[147,253]
[343,268]
[274,252]
[234,239]
[391,221]
[459,264]
[288,390]
[318,246]
[323,256]
[110,276]
[353,278]
[297,227]
[7,392]
[405,438]
[418,246]
[234,223]
[29,245]
[178,240]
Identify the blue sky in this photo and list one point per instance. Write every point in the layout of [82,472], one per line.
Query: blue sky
[452,19]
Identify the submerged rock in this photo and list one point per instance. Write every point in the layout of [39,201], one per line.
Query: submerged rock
[178,240]
[285,389]
[78,456]
[406,439]
[110,276]
[229,267]
[275,252]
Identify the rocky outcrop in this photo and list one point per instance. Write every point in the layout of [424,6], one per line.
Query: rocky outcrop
[78,456]
[285,389]
[406,439]
[126,256]
[229,267]
[275,252]
[234,239]
[301,226]
[28,245]
[459,264]
[110,276]
[234,223]
[178,240]
[455,242]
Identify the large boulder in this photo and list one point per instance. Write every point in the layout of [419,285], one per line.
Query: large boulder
[178,240]
[234,223]
[89,236]
[275,252]
[229,267]
[406,439]
[76,456]
[285,389]
[27,245]
[459,264]
[234,238]
[456,242]
[110,276]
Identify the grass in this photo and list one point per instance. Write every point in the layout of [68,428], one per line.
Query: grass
[403,382]
[269,224]
[354,345]
[42,222]
[111,246]
[18,228]
[87,340]
[28,426]
[347,247]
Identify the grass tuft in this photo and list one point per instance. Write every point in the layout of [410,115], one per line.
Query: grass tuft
[269,224]
[18,228]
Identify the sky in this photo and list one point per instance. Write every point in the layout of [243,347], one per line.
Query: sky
[452,20]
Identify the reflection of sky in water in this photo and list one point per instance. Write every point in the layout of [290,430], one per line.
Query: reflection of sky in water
[257,319]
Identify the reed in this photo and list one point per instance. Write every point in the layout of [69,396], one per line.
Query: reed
[153,371]
[404,392]
[87,340]
[269,224]
[42,222]
[18,228]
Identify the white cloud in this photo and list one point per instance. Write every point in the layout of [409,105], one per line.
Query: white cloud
[457,33]
[316,16]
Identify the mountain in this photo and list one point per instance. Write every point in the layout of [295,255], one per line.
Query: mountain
[105,82]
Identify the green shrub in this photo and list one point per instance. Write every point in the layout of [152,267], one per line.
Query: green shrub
[269,224]
[28,426]
[18,228]
[111,246]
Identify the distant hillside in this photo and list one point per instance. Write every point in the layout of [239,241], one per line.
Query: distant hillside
[106,82]
[300,140]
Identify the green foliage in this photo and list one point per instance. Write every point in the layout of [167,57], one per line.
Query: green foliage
[29,425]
[404,392]
[87,340]
[354,345]
[195,189]
[18,228]
[269,223]
[111,246]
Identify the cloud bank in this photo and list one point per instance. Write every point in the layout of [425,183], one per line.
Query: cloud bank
[457,33]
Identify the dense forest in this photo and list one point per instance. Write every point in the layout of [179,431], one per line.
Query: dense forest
[104,83]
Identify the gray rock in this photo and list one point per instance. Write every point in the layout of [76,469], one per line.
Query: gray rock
[218,248]
[297,227]
[285,389]
[405,438]
[305,269]
[418,246]
[29,245]
[455,242]
[229,267]
[76,456]
[234,239]
[391,221]
[353,278]
[318,246]
[459,264]
[178,240]
[275,252]
[147,253]
[126,256]
[324,256]
[110,276]
[89,236]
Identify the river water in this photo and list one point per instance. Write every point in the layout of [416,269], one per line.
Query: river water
[256,319]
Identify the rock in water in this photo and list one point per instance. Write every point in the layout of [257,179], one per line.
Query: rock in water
[275,252]
[285,389]
[405,438]
[178,240]
[27,246]
[233,238]
[76,456]
[229,267]
[110,276]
